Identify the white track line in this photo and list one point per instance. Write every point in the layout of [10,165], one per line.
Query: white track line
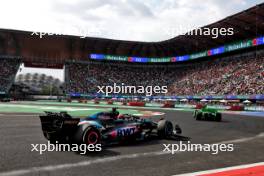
[17,115]
[78,164]
[223,169]
[22,136]
[33,170]
[24,115]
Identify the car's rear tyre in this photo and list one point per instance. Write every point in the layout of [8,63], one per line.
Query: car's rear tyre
[165,129]
[207,116]
[91,136]
[52,139]
[198,116]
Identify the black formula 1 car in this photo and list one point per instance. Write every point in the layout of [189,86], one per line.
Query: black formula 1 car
[207,114]
[103,128]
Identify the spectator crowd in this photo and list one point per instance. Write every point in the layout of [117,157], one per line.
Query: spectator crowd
[240,76]
[226,76]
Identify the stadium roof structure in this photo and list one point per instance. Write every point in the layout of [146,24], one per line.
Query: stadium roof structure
[247,25]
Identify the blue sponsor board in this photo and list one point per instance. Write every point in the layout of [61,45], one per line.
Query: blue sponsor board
[182,58]
[97,56]
[231,97]
[216,51]
[260,41]
[139,59]
[259,97]
[75,94]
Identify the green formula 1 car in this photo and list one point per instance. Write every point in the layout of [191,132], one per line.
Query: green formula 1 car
[207,114]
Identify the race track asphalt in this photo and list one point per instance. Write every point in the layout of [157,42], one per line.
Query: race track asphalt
[19,131]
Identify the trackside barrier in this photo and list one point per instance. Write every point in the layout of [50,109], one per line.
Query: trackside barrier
[236,108]
[188,106]
[254,108]
[257,108]
[199,106]
[136,103]
[96,102]
[110,102]
[168,105]
[154,105]
[220,107]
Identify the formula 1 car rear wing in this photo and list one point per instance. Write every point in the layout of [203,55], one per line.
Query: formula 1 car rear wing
[54,121]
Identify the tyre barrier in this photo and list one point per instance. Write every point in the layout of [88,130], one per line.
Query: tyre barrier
[168,105]
[110,102]
[199,106]
[236,108]
[136,104]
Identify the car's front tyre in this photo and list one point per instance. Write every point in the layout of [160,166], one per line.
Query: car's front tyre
[178,129]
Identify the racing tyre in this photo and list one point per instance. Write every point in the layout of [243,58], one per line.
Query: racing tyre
[178,129]
[218,117]
[91,136]
[51,138]
[165,129]
[207,116]
[198,116]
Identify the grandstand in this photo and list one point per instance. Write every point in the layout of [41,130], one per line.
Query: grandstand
[8,70]
[193,65]
[236,75]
